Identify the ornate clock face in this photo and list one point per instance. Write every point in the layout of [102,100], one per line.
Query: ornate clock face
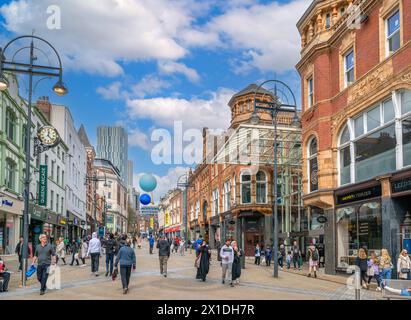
[48,136]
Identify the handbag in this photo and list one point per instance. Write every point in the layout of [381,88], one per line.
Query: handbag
[405,270]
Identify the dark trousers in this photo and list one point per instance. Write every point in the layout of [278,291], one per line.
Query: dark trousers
[125,272]
[63,259]
[151,249]
[94,261]
[6,278]
[364,277]
[280,261]
[109,262]
[257,260]
[376,277]
[42,275]
[72,259]
[296,261]
[20,262]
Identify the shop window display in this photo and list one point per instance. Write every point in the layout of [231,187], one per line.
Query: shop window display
[358,226]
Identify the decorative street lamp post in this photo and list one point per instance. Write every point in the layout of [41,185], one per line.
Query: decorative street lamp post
[182,182]
[32,70]
[274,106]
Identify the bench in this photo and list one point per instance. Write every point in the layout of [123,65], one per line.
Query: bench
[396,284]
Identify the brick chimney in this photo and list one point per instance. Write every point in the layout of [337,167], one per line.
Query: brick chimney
[44,105]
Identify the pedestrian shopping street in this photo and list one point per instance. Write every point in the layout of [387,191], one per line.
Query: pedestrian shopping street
[257,283]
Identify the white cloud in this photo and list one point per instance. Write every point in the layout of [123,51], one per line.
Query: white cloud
[137,138]
[170,67]
[194,112]
[266,32]
[164,183]
[111,92]
[96,35]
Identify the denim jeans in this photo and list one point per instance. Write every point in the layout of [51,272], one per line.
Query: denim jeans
[109,262]
[386,276]
[42,275]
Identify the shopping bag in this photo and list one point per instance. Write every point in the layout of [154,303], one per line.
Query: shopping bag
[114,275]
[31,270]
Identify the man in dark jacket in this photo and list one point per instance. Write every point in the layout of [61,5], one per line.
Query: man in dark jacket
[19,252]
[163,253]
[111,247]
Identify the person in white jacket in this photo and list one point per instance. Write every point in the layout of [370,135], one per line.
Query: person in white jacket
[404,265]
[227,258]
[94,250]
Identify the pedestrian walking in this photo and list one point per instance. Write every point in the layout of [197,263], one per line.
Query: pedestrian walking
[190,245]
[111,247]
[236,269]
[404,265]
[44,255]
[4,276]
[373,270]
[83,251]
[227,258]
[281,257]
[182,247]
[19,252]
[385,267]
[289,259]
[321,252]
[257,254]
[296,255]
[202,261]
[268,255]
[94,250]
[198,243]
[134,242]
[74,253]
[163,247]
[61,251]
[151,243]
[127,259]
[362,263]
[313,258]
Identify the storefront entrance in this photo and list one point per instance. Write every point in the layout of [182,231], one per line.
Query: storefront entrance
[251,240]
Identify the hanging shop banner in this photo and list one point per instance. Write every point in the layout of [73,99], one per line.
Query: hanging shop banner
[43,185]
[166,219]
[152,222]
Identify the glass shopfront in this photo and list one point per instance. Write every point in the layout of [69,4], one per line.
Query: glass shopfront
[358,226]
[6,234]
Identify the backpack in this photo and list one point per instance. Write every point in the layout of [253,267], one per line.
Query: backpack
[314,255]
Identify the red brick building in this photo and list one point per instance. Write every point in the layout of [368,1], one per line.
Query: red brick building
[356,86]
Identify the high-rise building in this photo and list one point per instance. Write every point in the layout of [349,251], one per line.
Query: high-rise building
[130,173]
[112,144]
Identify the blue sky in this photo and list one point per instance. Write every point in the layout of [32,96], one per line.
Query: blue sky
[147,63]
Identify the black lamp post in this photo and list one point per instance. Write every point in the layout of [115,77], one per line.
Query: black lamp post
[32,70]
[274,106]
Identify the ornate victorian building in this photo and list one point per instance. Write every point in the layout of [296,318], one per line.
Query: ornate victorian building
[356,85]
[230,193]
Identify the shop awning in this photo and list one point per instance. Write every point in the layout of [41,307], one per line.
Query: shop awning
[172,229]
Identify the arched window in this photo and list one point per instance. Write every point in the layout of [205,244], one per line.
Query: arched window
[345,156]
[11,124]
[261,183]
[313,164]
[245,187]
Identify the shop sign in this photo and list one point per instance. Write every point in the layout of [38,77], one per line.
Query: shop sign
[6,203]
[363,194]
[401,185]
[152,222]
[322,219]
[166,218]
[75,221]
[62,221]
[43,185]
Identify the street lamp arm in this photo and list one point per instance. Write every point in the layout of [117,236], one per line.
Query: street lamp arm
[60,68]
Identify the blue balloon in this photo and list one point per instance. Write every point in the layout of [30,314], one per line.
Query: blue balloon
[145,199]
[148,182]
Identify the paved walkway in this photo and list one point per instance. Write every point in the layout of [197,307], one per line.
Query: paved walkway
[257,283]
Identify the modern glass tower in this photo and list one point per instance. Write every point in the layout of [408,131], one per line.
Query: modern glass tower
[112,144]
